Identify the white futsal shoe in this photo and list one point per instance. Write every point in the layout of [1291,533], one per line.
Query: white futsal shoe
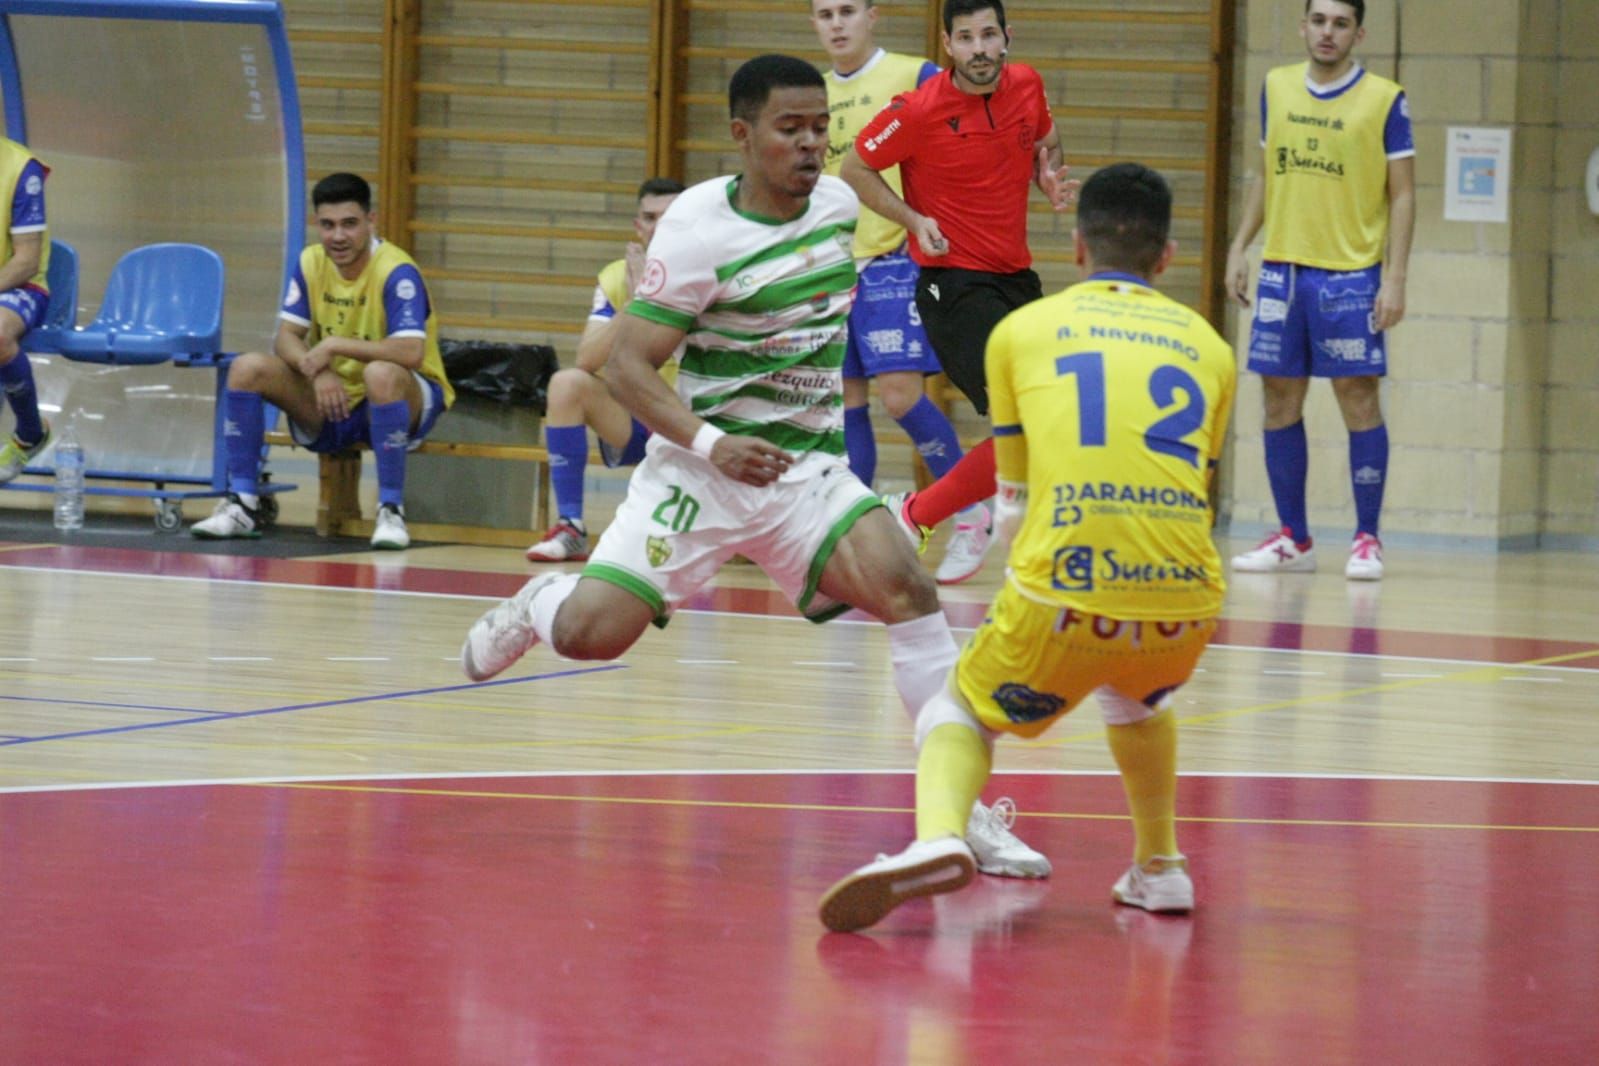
[1161,885]
[968,546]
[388,531]
[1365,559]
[998,850]
[504,633]
[926,868]
[1277,554]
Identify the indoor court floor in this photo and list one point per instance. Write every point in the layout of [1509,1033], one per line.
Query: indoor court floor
[251,811]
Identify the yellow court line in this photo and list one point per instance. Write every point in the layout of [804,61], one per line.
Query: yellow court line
[21,547]
[1475,675]
[645,801]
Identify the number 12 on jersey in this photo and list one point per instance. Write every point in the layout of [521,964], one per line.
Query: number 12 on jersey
[1166,382]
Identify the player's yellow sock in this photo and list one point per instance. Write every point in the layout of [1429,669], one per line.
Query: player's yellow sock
[1146,753]
[950,774]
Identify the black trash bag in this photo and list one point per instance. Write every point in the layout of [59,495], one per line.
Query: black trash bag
[517,374]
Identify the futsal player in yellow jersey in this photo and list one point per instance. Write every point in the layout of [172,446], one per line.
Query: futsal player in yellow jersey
[1110,403]
[1337,189]
[24,300]
[887,343]
[356,360]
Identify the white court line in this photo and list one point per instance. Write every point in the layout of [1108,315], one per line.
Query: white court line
[239,658]
[122,658]
[486,775]
[1295,673]
[357,658]
[1389,673]
[1537,680]
[824,662]
[708,662]
[18,660]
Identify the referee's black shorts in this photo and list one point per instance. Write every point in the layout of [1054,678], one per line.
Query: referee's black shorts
[959,309]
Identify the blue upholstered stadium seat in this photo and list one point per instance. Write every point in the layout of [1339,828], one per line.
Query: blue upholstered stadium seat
[62,315]
[163,302]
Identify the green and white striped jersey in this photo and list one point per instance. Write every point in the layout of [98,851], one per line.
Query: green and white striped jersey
[765,307]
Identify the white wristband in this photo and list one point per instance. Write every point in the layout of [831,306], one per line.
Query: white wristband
[706,439]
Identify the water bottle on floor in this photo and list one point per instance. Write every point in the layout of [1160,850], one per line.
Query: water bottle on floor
[69,478]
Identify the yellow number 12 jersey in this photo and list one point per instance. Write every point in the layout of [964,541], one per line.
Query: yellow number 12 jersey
[1110,401]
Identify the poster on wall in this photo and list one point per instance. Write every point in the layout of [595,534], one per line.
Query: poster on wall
[1477,175]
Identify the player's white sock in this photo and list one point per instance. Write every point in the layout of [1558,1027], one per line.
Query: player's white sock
[548,602]
[923,652]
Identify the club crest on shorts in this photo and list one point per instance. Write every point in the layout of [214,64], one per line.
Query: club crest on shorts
[1023,704]
[657,550]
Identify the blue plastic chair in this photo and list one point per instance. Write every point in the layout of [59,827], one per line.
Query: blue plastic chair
[62,314]
[163,302]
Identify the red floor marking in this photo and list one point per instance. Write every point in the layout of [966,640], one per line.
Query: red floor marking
[313,924]
[397,576]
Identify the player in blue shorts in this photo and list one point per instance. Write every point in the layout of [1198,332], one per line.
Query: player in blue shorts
[887,343]
[24,299]
[1338,185]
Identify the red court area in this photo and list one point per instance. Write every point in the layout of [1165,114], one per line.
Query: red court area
[657,918]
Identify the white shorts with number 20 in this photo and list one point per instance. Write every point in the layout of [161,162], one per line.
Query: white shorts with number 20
[682,519]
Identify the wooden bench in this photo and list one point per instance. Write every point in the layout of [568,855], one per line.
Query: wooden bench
[338,509]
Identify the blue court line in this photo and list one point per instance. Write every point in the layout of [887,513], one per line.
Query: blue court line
[220,716]
[113,706]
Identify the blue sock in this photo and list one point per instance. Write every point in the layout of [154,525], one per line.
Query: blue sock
[242,433]
[391,436]
[935,440]
[17,379]
[1368,469]
[860,444]
[569,456]
[1287,467]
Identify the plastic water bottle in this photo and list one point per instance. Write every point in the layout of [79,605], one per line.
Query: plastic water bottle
[69,478]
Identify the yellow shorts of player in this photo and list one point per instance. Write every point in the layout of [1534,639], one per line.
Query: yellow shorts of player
[1030,663]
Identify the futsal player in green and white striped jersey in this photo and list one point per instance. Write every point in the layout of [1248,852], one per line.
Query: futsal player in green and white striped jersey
[749,285]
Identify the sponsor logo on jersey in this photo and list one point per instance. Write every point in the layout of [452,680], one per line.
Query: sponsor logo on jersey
[1289,158]
[1074,569]
[657,551]
[34,184]
[405,289]
[1116,570]
[888,131]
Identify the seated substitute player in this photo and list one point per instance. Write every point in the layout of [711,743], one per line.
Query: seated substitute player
[754,273]
[579,398]
[1110,402]
[24,299]
[356,359]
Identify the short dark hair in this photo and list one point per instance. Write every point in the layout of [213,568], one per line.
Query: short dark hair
[660,187]
[342,188]
[754,81]
[1358,5]
[953,9]
[1124,216]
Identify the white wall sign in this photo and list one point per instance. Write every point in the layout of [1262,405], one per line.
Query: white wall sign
[1477,175]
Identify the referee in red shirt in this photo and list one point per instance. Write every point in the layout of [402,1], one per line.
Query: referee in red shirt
[968,143]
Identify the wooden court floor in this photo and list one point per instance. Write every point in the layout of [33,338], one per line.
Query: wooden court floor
[250,811]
